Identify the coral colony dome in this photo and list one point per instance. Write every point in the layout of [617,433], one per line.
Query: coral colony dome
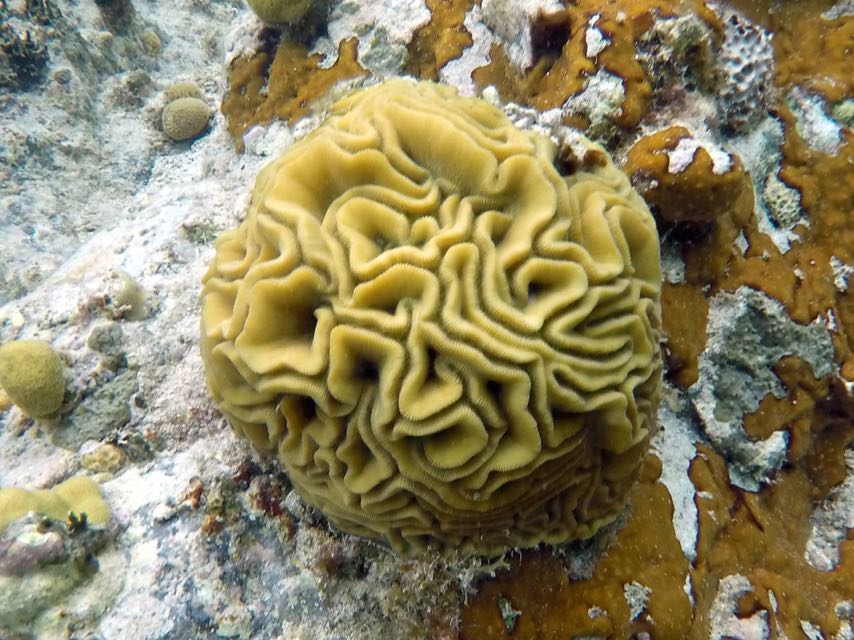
[446,341]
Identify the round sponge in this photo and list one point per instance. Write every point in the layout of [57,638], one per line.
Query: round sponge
[185,118]
[31,375]
[447,342]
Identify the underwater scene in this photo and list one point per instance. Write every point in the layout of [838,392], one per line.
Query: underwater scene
[426,319]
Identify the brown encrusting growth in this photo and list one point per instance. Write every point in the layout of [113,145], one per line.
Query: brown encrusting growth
[555,607]
[261,89]
[763,535]
[556,74]
[439,41]
[693,194]
[802,278]
[561,68]
[702,211]
[684,331]
[795,411]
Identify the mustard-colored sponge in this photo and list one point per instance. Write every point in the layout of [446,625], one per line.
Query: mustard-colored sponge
[79,494]
[31,375]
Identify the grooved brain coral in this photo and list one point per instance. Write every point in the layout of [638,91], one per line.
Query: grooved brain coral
[448,343]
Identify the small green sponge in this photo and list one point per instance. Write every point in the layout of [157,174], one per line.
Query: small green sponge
[79,494]
[31,375]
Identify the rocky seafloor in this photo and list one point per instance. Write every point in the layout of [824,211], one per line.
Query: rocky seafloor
[732,119]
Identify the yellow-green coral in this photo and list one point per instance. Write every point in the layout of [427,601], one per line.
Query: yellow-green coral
[182,90]
[106,458]
[131,299]
[448,342]
[280,11]
[31,375]
[185,118]
[77,495]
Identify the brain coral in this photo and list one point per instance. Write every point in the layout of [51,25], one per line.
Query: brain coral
[185,118]
[448,343]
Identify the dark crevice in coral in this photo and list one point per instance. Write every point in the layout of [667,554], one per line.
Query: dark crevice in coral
[549,33]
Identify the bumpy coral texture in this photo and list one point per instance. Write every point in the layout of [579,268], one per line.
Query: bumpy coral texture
[746,67]
[448,343]
[185,118]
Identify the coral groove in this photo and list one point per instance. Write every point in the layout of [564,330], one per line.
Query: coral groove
[451,349]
